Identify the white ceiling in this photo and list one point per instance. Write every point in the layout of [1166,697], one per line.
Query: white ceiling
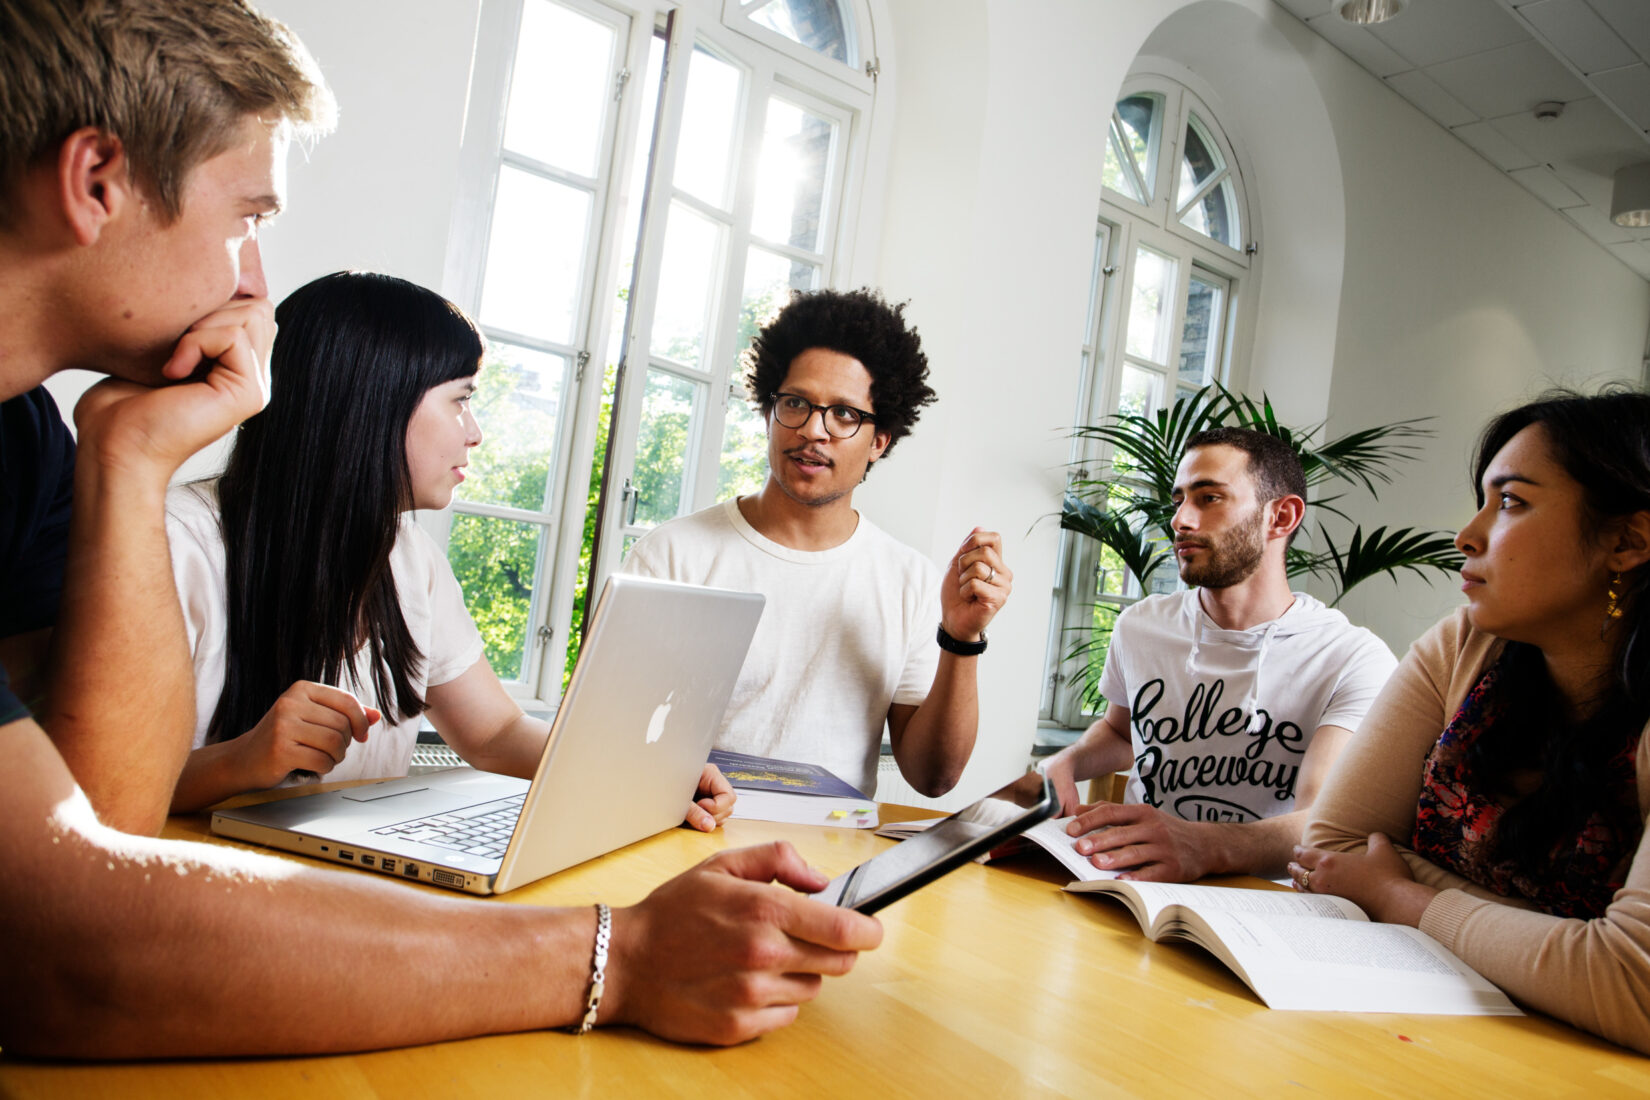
[1479,67]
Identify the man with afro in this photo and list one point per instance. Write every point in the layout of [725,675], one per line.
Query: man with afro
[860,630]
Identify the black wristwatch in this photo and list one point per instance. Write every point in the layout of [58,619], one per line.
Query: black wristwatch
[961,649]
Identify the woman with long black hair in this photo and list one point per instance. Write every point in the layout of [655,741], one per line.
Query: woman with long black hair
[1496,794]
[323,622]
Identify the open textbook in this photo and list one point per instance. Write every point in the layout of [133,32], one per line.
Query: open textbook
[1310,951]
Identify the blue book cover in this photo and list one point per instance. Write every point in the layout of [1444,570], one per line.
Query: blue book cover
[762,773]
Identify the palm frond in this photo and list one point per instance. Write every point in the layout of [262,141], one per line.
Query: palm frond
[1367,455]
[1381,551]
[1141,553]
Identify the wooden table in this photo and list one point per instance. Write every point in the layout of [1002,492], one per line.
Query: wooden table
[991,982]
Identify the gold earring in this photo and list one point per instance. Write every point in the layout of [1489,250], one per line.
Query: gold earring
[1611,611]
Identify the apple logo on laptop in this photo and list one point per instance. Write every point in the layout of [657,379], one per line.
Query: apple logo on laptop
[656,724]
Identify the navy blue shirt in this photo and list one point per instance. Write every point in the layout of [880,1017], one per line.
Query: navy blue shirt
[36,492]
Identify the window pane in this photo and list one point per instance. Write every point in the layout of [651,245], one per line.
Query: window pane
[1114,175]
[1141,391]
[1202,157]
[518,397]
[1151,305]
[1112,575]
[816,24]
[1105,618]
[710,114]
[688,276]
[1200,336]
[560,87]
[1133,128]
[662,445]
[792,176]
[744,466]
[495,561]
[769,279]
[535,256]
[1215,214]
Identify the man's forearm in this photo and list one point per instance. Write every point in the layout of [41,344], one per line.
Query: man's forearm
[121,704]
[936,743]
[153,948]
[1259,848]
[1099,752]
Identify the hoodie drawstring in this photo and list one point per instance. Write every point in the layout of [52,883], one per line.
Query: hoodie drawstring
[1252,703]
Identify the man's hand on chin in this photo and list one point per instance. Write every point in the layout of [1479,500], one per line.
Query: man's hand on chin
[224,356]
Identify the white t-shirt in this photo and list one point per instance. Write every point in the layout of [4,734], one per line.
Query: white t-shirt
[431,603]
[846,633]
[1220,719]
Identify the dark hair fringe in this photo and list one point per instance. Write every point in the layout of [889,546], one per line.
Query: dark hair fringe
[312,497]
[1603,442]
[857,323]
[1273,464]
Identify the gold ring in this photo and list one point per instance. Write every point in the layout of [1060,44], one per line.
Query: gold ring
[1306,880]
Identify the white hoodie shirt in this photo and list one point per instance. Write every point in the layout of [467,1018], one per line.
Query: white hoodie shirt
[1220,719]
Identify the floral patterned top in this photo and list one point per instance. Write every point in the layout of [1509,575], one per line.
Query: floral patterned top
[1456,821]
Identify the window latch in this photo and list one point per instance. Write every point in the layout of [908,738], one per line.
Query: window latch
[620,79]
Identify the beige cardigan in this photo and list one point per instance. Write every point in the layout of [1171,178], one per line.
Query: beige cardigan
[1593,973]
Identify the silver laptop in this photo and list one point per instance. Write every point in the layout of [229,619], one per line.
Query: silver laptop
[622,761]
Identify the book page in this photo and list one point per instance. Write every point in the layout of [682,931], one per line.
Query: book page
[1052,837]
[1309,963]
[1150,900]
[1158,895]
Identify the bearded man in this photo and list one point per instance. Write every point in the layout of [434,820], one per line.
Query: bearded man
[1227,702]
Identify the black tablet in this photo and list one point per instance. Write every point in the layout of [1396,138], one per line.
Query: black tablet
[945,846]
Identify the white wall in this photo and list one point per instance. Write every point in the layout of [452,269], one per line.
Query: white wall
[1463,295]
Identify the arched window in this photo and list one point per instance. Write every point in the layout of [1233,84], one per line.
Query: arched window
[824,26]
[644,181]
[1174,248]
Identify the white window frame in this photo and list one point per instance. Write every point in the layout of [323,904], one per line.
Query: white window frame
[844,92]
[1125,225]
[848,103]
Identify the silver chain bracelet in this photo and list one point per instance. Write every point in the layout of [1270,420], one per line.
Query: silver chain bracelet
[598,968]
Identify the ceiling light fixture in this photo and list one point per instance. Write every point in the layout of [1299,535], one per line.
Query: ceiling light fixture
[1366,12]
[1630,197]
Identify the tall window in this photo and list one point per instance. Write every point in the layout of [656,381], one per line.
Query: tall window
[1173,247]
[644,183]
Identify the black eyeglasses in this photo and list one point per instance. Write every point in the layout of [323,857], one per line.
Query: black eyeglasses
[841,421]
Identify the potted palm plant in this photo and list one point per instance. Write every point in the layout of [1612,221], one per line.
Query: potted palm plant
[1128,508]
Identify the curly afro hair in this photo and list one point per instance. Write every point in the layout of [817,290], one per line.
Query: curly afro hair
[858,323]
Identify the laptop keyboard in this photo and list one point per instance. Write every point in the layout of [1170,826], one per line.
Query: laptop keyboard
[480,830]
